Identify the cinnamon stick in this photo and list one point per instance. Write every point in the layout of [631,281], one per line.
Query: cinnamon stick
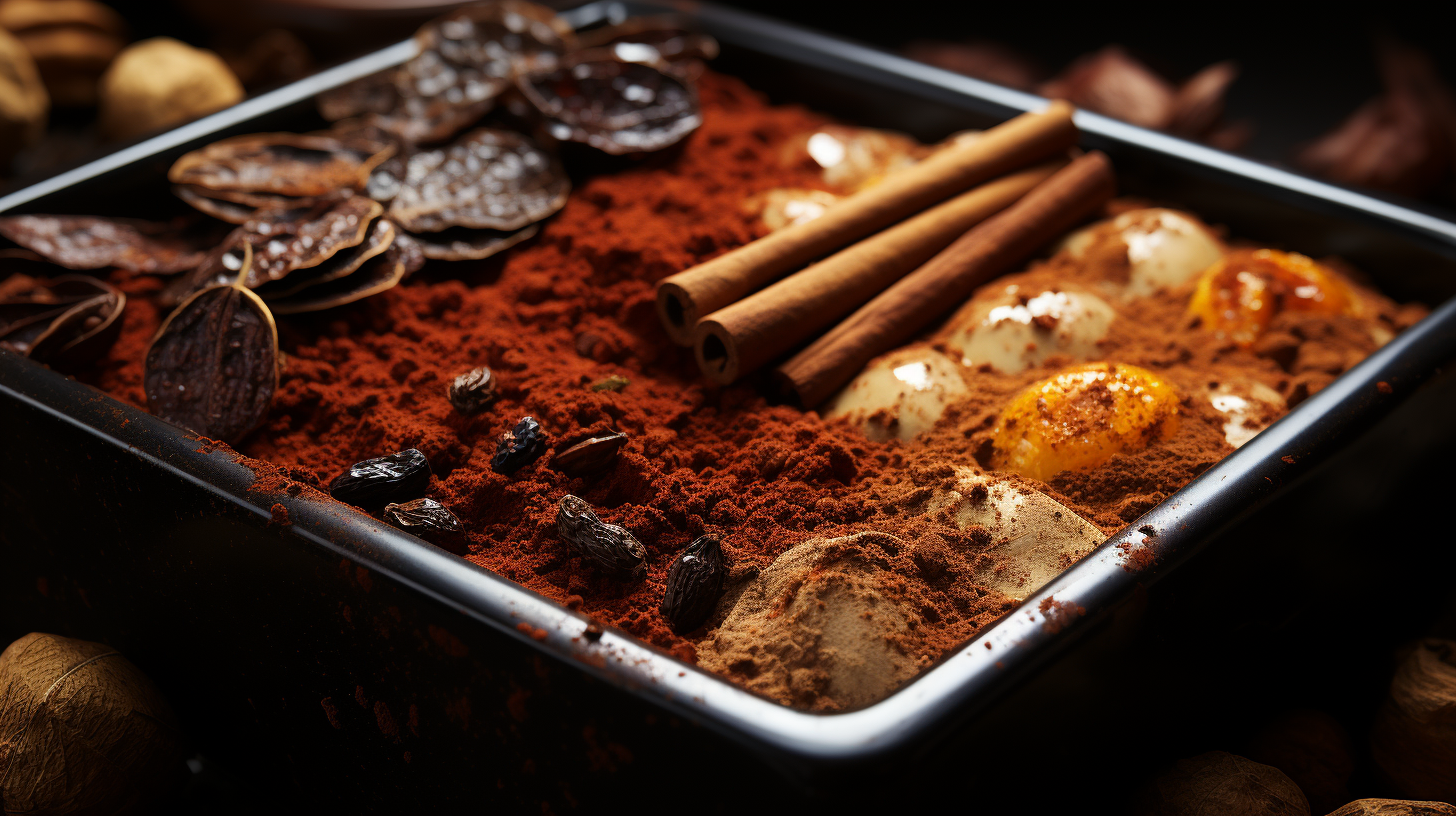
[738,339]
[689,295]
[913,302]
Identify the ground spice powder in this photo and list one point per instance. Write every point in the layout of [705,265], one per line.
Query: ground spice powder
[573,308]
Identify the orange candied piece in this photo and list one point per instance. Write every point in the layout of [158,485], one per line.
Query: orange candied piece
[1241,293]
[1081,417]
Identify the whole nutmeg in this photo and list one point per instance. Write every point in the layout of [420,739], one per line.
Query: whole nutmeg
[82,731]
[157,83]
[24,104]
[72,42]
[1314,750]
[1225,784]
[1394,807]
[1414,738]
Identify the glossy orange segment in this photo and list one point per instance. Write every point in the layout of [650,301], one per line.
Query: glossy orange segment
[1239,295]
[1081,417]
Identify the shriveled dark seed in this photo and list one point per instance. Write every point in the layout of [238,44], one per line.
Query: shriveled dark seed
[609,547]
[590,455]
[397,477]
[473,390]
[422,514]
[694,584]
[519,447]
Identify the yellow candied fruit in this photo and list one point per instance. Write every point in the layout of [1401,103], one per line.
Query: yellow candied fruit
[1079,418]
[1241,293]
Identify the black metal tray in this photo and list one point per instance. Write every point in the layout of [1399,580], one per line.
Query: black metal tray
[360,663]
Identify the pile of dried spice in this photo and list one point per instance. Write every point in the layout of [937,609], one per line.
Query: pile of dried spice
[526,411]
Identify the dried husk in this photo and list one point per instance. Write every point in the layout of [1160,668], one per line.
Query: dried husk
[488,179]
[157,83]
[615,106]
[286,164]
[1413,741]
[218,208]
[1394,807]
[378,274]
[213,366]
[653,39]
[91,242]
[82,731]
[1224,784]
[65,322]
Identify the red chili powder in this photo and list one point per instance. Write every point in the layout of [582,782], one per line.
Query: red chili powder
[576,306]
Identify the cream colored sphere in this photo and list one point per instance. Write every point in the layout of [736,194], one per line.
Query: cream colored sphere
[1165,248]
[157,83]
[1013,329]
[899,395]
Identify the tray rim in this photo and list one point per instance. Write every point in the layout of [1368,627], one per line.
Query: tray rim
[987,665]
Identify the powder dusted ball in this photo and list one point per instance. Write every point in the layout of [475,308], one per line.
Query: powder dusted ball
[1080,418]
[160,82]
[82,731]
[1222,783]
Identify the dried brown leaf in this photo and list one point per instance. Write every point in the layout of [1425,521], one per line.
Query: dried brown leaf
[488,179]
[64,322]
[380,237]
[378,274]
[288,164]
[617,107]
[91,242]
[465,244]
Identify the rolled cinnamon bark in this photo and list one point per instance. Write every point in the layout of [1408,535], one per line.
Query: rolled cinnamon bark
[738,339]
[687,296]
[912,302]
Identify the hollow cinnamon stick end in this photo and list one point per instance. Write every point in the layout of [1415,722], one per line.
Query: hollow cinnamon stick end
[678,312]
[717,352]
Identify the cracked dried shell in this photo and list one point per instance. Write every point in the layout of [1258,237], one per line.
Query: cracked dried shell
[609,547]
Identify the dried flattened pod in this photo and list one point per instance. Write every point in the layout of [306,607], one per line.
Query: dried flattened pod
[589,455]
[694,584]
[91,242]
[466,244]
[289,164]
[467,58]
[378,274]
[617,107]
[64,322]
[611,548]
[472,391]
[377,240]
[395,477]
[422,514]
[213,366]
[487,179]
[302,237]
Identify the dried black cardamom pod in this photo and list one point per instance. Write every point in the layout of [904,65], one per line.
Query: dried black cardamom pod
[422,514]
[519,447]
[590,455]
[397,477]
[694,584]
[473,390]
[611,548]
